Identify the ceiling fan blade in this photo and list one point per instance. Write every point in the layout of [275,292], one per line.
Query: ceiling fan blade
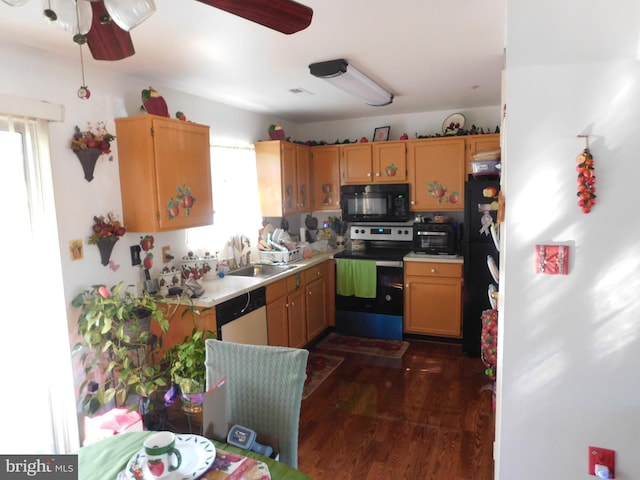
[107,41]
[285,16]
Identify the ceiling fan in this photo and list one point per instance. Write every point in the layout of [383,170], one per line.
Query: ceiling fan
[107,41]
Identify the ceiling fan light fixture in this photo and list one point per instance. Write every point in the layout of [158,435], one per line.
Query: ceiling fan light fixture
[128,14]
[349,79]
[15,3]
[69,15]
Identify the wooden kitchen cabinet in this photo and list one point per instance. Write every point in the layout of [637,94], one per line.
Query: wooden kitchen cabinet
[377,162]
[299,306]
[325,178]
[355,163]
[436,173]
[283,177]
[433,299]
[277,320]
[165,173]
[296,310]
[479,143]
[389,162]
[181,322]
[316,300]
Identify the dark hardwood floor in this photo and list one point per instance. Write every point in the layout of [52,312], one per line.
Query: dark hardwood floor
[424,416]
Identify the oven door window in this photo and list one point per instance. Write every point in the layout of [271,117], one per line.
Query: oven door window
[389,294]
[433,241]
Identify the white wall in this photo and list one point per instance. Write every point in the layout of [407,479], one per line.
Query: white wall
[38,76]
[570,345]
[427,123]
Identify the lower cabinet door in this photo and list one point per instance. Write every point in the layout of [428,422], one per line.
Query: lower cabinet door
[296,316]
[277,323]
[316,308]
[433,306]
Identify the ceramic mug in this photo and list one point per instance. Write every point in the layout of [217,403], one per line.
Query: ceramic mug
[159,448]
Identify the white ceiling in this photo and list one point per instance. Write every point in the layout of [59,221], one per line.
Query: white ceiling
[432,55]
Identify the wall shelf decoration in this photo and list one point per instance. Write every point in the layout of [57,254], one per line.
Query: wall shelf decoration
[105,245]
[88,158]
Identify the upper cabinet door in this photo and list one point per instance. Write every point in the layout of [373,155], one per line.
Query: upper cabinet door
[303,178]
[289,178]
[355,163]
[325,178]
[165,173]
[437,174]
[283,178]
[389,162]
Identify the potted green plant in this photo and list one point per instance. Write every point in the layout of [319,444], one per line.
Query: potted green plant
[121,358]
[186,364]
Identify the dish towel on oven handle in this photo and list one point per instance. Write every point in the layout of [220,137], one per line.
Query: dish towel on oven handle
[356,277]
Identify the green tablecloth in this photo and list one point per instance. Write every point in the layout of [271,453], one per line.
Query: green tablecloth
[105,459]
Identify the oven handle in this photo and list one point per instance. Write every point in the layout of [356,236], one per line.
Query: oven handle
[389,263]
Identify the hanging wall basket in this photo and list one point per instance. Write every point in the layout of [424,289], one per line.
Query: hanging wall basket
[105,245]
[88,158]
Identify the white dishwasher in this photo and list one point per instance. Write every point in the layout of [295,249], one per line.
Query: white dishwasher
[243,319]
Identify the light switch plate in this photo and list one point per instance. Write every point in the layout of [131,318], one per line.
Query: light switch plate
[135,255]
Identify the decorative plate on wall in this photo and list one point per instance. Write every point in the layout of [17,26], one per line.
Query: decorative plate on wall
[453,123]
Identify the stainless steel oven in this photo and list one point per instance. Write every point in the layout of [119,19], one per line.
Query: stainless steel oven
[379,314]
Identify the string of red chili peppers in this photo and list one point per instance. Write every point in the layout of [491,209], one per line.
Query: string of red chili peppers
[586,181]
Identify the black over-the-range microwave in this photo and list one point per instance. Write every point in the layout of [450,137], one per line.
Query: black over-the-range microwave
[375,203]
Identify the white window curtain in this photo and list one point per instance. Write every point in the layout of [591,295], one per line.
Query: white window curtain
[235,200]
[37,405]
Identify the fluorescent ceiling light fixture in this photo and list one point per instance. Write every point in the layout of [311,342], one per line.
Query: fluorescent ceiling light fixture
[348,78]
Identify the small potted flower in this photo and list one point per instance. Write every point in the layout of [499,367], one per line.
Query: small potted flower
[186,367]
[89,144]
[107,230]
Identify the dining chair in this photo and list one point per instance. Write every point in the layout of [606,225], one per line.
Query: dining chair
[263,389]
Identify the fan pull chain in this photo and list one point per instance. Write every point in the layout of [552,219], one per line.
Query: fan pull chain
[83,91]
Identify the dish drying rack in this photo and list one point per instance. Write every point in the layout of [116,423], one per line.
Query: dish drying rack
[275,256]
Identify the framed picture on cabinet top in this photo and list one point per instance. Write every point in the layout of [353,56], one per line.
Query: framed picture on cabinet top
[381,134]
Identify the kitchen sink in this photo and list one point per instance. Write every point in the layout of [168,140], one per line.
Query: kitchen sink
[261,271]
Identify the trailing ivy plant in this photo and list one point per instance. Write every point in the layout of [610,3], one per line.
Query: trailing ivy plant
[121,358]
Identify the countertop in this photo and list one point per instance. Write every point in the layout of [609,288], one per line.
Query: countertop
[222,289]
[421,257]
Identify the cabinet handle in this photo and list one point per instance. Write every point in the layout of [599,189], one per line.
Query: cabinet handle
[369,174]
[377,174]
[310,292]
[407,285]
[433,270]
[412,202]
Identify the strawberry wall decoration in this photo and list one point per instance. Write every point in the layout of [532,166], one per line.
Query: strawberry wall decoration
[586,179]
[89,144]
[107,230]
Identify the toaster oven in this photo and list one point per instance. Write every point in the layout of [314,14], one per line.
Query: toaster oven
[436,238]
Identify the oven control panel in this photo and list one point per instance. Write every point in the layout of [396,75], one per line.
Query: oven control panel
[382,232]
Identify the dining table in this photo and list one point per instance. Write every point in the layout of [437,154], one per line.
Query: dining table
[115,458]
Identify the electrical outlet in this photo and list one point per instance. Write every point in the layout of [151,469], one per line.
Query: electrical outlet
[602,456]
[135,255]
[166,255]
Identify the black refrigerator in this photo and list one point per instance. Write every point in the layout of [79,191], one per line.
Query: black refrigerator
[480,211]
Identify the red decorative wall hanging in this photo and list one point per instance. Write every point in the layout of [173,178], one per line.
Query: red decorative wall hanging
[586,179]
